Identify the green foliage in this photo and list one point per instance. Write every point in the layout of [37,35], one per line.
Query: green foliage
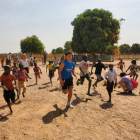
[135,49]
[110,49]
[59,50]
[94,30]
[124,49]
[67,46]
[53,51]
[32,45]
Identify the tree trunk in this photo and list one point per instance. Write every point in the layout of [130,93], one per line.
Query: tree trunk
[94,58]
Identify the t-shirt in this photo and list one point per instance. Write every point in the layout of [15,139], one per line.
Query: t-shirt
[7,81]
[84,66]
[132,68]
[121,64]
[14,69]
[99,67]
[55,61]
[21,75]
[127,80]
[44,55]
[111,75]
[50,67]
[36,69]
[66,72]
[2,60]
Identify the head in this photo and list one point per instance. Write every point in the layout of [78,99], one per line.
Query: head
[14,64]
[7,69]
[55,57]
[133,61]
[99,60]
[122,74]
[68,56]
[110,66]
[85,58]
[21,66]
[35,64]
[121,59]
[24,56]
[50,62]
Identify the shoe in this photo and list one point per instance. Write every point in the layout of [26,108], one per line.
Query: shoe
[130,91]
[69,105]
[89,94]
[78,82]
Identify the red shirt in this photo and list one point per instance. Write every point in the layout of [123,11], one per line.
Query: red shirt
[21,75]
[2,60]
[36,69]
[7,81]
[121,64]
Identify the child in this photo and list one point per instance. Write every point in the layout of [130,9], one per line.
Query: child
[55,61]
[34,61]
[133,69]
[111,76]
[51,70]
[14,69]
[43,61]
[2,62]
[22,76]
[8,88]
[121,64]
[84,73]
[37,73]
[66,69]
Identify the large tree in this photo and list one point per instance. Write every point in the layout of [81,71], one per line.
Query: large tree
[135,49]
[32,45]
[95,31]
[67,46]
[59,50]
[124,49]
[53,51]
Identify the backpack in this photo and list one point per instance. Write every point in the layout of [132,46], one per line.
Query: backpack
[135,84]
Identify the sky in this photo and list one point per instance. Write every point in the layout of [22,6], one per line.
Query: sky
[50,20]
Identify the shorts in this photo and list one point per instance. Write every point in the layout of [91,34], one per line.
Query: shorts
[134,73]
[8,61]
[98,75]
[126,86]
[82,78]
[37,75]
[68,83]
[45,59]
[27,70]
[51,73]
[10,94]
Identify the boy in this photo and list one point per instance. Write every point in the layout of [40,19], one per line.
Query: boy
[8,88]
[98,72]
[51,68]
[111,76]
[43,61]
[84,73]
[2,62]
[65,71]
[133,69]
[14,69]
[37,73]
[55,61]
[22,76]
[121,64]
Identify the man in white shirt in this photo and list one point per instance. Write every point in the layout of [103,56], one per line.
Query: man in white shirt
[111,76]
[55,61]
[84,73]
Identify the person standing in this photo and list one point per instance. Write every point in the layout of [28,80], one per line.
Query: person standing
[8,59]
[45,57]
[55,61]
[17,60]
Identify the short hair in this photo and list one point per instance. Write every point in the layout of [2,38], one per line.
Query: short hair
[67,53]
[122,74]
[6,67]
[20,65]
[85,56]
[35,63]
[110,65]
[24,54]
[134,61]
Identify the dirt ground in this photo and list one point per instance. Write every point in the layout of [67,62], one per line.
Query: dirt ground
[43,115]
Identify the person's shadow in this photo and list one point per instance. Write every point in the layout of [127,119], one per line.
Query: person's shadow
[95,93]
[126,94]
[106,105]
[48,118]
[4,118]
[78,100]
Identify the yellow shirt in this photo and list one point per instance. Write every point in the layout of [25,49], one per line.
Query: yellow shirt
[50,67]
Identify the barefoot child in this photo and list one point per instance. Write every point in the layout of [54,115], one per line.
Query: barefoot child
[14,69]
[2,62]
[37,73]
[66,70]
[8,88]
[121,64]
[111,76]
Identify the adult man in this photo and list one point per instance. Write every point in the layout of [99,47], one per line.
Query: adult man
[45,57]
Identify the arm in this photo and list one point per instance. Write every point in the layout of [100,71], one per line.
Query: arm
[92,69]
[128,68]
[81,71]
[73,72]
[40,71]
[59,73]
[3,86]
[20,62]
[28,64]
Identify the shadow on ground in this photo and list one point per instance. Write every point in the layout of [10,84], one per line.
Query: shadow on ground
[106,105]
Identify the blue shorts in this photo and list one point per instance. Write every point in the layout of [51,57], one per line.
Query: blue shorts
[98,76]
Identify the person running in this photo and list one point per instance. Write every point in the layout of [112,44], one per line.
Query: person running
[37,73]
[84,73]
[110,76]
[31,60]
[51,68]
[8,88]
[26,63]
[55,61]
[62,58]
[14,69]
[121,64]
[17,60]
[133,69]
[8,59]
[45,57]
[99,66]
[66,69]
[2,62]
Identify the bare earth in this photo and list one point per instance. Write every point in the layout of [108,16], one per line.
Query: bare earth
[42,114]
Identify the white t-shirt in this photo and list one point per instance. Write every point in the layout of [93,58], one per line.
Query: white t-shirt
[25,63]
[111,75]
[55,61]
[8,56]
[84,66]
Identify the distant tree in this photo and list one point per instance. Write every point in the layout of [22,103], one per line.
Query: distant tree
[53,51]
[135,49]
[32,45]
[59,50]
[95,31]
[67,46]
[124,49]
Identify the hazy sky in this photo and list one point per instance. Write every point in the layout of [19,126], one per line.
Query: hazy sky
[50,20]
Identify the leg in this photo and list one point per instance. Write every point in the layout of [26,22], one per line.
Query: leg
[82,78]
[9,105]
[36,77]
[24,88]
[89,84]
[70,94]
[109,90]
[19,86]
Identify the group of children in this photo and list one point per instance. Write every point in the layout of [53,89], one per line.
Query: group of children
[65,71]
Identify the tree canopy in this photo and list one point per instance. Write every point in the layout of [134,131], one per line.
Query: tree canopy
[53,51]
[67,46]
[95,31]
[59,50]
[124,49]
[32,45]
[135,49]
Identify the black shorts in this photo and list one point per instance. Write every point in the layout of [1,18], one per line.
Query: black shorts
[110,86]
[67,84]
[8,62]
[82,78]
[10,94]
[45,59]
[27,70]
[51,73]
